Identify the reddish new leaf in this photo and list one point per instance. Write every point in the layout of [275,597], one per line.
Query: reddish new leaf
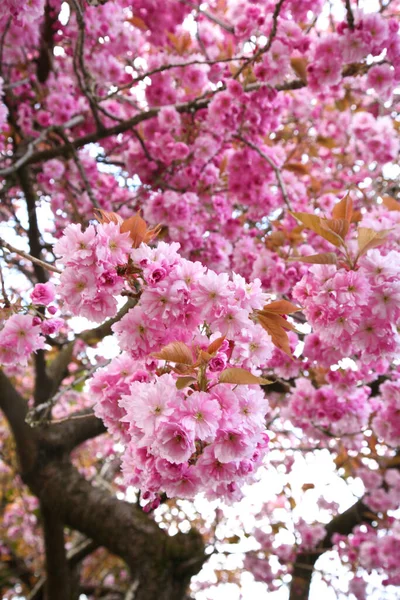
[176,352]
[240,376]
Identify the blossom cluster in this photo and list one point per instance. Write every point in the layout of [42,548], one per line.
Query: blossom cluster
[179,440]
[186,443]
[355,311]
[372,552]
[24,333]
[330,407]
[386,422]
[89,281]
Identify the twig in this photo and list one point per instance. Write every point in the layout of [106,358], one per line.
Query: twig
[2,41]
[229,28]
[79,166]
[39,414]
[14,84]
[276,169]
[170,66]
[350,15]
[3,290]
[271,37]
[85,83]
[131,593]
[28,154]
[29,257]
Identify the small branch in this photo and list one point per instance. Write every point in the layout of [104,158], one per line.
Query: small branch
[58,369]
[168,67]
[271,38]
[211,17]
[130,594]
[79,166]
[15,84]
[350,15]
[79,61]
[6,301]
[15,409]
[2,41]
[276,169]
[32,259]
[31,146]
[40,413]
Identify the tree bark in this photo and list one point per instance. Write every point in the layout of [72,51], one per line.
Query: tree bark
[57,586]
[161,565]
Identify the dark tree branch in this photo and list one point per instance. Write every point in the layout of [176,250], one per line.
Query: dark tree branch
[57,586]
[44,62]
[33,230]
[74,430]
[162,565]
[74,557]
[184,107]
[15,410]
[271,38]
[24,159]
[350,15]
[303,567]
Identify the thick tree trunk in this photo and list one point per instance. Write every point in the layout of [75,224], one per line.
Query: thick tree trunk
[161,566]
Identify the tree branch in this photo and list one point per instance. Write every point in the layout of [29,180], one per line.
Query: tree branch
[44,62]
[57,370]
[74,430]
[304,564]
[183,107]
[274,167]
[76,555]
[15,409]
[350,15]
[162,564]
[271,38]
[24,159]
[57,586]
[32,259]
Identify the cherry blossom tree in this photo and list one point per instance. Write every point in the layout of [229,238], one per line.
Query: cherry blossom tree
[200,291]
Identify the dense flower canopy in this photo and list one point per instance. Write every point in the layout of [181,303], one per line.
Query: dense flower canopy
[199,234]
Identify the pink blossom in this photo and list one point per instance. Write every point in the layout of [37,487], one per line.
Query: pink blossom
[19,338]
[174,442]
[201,413]
[43,293]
